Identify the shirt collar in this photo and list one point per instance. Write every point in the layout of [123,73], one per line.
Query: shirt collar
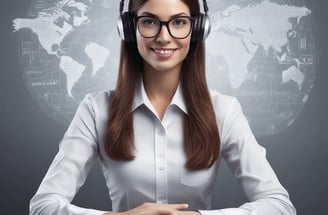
[138,97]
[178,99]
[141,98]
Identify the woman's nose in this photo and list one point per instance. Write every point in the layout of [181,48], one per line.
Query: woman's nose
[164,34]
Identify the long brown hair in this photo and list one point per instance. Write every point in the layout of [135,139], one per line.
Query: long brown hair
[201,134]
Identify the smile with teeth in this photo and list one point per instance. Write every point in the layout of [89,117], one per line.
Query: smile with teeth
[164,51]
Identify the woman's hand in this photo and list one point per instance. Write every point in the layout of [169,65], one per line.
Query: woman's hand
[157,209]
[188,213]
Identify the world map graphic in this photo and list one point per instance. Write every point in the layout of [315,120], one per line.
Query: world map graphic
[260,51]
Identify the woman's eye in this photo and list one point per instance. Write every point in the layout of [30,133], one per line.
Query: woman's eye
[179,22]
[148,22]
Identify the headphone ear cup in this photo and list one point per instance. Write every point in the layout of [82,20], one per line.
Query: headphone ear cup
[206,26]
[201,28]
[126,27]
[197,33]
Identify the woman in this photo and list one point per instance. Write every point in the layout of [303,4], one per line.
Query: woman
[160,136]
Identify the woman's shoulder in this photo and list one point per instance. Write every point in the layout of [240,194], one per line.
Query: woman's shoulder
[98,97]
[97,101]
[96,106]
[222,101]
[227,109]
[224,105]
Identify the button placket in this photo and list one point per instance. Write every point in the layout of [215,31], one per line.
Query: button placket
[161,172]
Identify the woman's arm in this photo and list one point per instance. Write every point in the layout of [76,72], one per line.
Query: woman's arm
[68,171]
[149,208]
[247,160]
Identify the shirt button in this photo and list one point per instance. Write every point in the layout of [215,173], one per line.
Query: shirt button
[161,168]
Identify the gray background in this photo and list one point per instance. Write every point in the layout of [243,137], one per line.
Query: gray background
[29,138]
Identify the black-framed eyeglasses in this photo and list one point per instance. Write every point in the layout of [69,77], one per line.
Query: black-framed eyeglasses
[178,27]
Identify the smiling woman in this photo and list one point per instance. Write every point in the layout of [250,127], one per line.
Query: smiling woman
[161,134]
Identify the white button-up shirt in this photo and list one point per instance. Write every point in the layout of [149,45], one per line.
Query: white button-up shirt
[158,173]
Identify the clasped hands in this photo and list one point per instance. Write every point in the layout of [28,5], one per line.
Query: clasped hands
[157,209]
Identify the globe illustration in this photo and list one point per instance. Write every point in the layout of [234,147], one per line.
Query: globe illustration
[260,51]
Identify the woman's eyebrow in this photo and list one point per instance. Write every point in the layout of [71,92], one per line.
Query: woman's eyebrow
[154,15]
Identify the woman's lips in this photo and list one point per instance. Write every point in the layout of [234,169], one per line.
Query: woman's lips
[161,52]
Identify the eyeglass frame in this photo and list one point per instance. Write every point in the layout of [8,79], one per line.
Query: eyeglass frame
[165,23]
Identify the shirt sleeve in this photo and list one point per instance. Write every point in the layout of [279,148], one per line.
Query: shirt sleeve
[68,171]
[247,161]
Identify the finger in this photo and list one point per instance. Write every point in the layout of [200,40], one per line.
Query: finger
[167,211]
[178,206]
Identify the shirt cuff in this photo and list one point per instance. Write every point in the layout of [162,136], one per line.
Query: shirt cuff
[95,212]
[228,211]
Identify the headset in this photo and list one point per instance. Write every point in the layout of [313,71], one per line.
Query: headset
[127,32]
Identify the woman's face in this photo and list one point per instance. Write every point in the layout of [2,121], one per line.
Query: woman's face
[163,52]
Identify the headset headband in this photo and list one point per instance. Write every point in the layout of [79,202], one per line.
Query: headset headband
[121,7]
[204,6]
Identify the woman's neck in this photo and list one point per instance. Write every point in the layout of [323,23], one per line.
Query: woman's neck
[160,87]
